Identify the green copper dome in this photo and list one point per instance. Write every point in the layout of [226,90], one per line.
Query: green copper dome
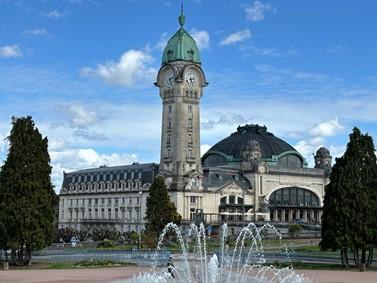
[181,46]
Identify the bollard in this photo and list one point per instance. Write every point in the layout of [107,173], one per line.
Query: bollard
[5,265]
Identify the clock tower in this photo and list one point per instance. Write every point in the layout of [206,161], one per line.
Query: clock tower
[181,81]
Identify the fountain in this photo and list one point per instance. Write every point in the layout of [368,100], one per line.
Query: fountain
[245,263]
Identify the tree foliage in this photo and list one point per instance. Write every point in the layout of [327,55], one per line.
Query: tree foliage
[350,206]
[27,198]
[159,209]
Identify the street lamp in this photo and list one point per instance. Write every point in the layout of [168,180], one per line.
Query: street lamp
[140,212]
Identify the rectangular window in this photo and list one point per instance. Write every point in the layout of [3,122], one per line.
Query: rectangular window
[109,213]
[192,213]
[109,201]
[116,213]
[231,199]
[102,213]
[190,109]
[169,108]
[192,199]
[130,200]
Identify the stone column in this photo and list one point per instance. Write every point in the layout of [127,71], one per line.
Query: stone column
[305,215]
[275,215]
[290,215]
[282,215]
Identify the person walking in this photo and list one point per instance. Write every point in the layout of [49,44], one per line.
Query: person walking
[170,267]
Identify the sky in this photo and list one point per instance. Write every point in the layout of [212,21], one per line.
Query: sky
[84,70]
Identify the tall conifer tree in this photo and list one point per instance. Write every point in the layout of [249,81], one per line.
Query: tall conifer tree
[27,198]
[159,209]
[349,212]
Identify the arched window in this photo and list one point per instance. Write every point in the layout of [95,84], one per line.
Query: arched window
[294,196]
[214,160]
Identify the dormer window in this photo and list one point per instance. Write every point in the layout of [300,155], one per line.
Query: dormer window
[170,54]
[190,54]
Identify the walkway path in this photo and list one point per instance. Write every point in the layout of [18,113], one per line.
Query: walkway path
[111,274]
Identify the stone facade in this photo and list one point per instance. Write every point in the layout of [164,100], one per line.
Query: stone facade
[249,176]
[106,197]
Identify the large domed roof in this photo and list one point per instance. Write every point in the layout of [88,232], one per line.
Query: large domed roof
[181,46]
[233,146]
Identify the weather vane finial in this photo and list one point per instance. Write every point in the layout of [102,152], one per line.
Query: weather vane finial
[181,17]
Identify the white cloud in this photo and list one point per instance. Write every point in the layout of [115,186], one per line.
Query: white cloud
[70,159]
[327,129]
[236,37]
[201,37]
[10,51]
[256,11]
[133,67]
[54,14]
[273,52]
[227,118]
[337,49]
[163,41]
[79,116]
[318,133]
[204,148]
[36,32]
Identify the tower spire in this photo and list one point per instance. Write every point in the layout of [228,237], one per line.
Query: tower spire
[181,18]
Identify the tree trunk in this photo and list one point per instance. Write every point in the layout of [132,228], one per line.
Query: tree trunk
[362,265]
[356,258]
[344,257]
[27,256]
[370,257]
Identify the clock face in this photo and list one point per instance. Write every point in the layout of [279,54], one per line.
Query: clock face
[169,79]
[191,79]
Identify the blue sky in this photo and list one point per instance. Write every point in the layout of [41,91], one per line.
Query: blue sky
[84,70]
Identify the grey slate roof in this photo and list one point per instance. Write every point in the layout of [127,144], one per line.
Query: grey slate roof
[147,172]
[234,145]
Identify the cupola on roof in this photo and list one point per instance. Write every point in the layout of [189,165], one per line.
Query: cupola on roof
[181,46]
[234,145]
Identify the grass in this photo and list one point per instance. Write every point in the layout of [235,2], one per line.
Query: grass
[73,265]
[91,263]
[317,266]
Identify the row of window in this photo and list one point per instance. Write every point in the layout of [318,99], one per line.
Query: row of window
[109,185]
[100,214]
[101,201]
[109,176]
[231,200]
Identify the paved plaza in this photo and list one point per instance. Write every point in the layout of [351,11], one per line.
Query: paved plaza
[112,274]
